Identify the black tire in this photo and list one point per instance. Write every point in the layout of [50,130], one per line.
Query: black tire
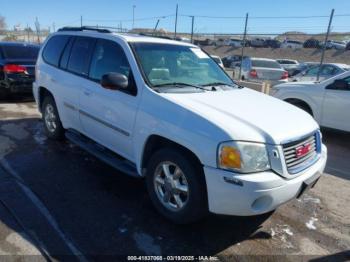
[196,206]
[55,132]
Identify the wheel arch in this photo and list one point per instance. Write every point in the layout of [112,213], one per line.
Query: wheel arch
[299,101]
[43,91]
[156,142]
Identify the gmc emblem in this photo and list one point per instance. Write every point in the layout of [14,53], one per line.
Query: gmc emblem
[303,150]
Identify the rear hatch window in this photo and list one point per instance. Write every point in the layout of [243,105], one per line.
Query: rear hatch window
[265,63]
[20,52]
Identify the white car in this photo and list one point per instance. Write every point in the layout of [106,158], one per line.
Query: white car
[256,69]
[289,65]
[164,110]
[234,42]
[327,101]
[327,71]
[330,44]
[292,44]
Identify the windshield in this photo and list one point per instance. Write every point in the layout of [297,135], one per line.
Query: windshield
[265,63]
[20,52]
[167,63]
[286,62]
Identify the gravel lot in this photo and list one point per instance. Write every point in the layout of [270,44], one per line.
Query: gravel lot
[57,200]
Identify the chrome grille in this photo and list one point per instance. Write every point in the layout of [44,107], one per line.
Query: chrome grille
[295,158]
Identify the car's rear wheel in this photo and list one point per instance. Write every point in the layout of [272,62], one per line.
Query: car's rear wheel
[52,123]
[176,186]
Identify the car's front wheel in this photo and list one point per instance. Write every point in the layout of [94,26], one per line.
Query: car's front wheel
[176,186]
[52,123]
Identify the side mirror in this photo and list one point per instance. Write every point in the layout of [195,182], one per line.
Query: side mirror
[114,81]
[339,84]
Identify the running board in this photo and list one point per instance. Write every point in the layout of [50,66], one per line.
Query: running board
[102,153]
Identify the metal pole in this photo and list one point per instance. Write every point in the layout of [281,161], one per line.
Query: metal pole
[192,29]
[133,16]
[155,28]
[54,27]
[81,21]
[37,26]
[324,44]
[177,6]
[243,45]
[28,32]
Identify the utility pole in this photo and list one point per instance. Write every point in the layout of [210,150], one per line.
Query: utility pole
[243,45]
[192,29]
[28,32]
[54,27]
[155,28]
[324,44]
[37,27]
[177,6]
[133,16]
[81,21]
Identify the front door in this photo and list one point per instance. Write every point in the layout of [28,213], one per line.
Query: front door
[108,116]
[336,107]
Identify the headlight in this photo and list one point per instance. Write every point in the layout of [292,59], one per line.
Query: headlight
[243,157]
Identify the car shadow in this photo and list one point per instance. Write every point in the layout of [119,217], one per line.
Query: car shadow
[106,213]
[338,52]
[338,145]
[13,99]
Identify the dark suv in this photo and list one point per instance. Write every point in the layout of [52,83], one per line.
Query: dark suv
[17,66]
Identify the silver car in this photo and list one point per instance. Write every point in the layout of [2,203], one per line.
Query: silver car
[262,69]
[327,71]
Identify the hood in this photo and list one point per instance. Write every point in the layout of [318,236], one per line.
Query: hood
[248,115]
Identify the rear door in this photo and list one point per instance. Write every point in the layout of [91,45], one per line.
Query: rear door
[107,116]
[336,107]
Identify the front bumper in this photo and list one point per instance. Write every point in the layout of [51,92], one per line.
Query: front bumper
[253,194]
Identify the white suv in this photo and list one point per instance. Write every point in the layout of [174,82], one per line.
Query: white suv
[164,110]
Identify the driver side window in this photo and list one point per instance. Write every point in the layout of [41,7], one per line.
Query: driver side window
[108,57]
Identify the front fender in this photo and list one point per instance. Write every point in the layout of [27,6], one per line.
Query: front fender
[307,98]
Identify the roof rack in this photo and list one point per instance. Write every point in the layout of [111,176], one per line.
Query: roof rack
[83,28]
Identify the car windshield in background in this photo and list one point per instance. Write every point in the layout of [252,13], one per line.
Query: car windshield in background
[164,64]
[265,63]
[286,62]
[20,51]
[216,59]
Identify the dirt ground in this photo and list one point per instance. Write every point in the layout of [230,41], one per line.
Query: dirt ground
[303,54]
[88,209]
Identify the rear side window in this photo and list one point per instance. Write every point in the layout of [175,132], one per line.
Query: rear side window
[20,51]
[53,49]
[265,63]
[108,57]
[66,53]
[80,55]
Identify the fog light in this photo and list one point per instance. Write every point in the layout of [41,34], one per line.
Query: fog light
[262,204]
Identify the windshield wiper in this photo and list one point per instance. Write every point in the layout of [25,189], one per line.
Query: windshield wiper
[218,84]
[181,85]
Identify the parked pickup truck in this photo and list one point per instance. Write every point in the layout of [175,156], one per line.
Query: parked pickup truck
[165,110]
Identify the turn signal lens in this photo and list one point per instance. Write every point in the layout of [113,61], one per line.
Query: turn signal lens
[230,157]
